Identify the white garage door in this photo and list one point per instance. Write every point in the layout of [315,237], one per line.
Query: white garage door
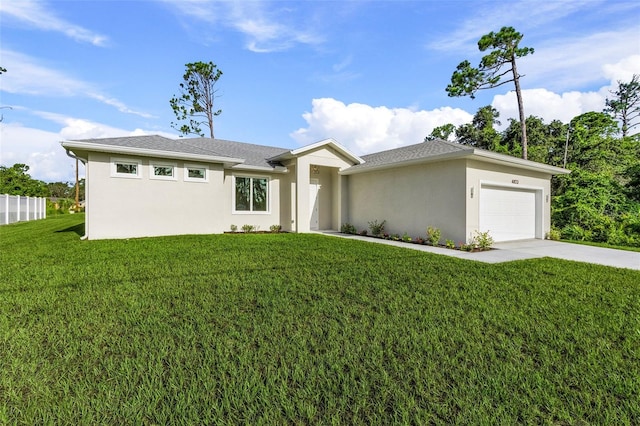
[508,213]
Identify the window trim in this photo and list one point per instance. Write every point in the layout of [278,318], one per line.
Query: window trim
[152,172]
[187,178]
[250,211]
[121,160]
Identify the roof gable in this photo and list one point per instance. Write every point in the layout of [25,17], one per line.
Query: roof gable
[325,143]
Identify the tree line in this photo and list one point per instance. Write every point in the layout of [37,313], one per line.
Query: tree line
[16,180]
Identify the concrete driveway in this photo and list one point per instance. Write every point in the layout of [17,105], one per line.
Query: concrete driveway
[544,248]
[527,249]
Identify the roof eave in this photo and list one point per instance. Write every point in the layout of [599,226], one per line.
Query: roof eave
[85,146]
[493,157]
[248,167]
[414,161]
[480,155]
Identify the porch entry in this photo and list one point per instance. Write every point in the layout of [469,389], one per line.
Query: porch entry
[314,204]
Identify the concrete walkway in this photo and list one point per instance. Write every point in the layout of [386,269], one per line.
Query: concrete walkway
[528,249]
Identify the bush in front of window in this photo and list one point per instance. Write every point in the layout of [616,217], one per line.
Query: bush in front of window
[275,228]
[248,228]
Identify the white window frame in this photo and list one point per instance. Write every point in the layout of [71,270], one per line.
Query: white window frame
[120,160]
[187,178]
[250,211]
[152,171]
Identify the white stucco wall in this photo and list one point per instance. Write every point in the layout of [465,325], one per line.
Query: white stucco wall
[411,198]
[120,207]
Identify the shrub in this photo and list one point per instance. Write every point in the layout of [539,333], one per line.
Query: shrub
[234,228]
[347,228]
[395,237]
[482,240]
[406,238]
[363,232]
[433,235]
[275,228]
[377,228]
[553,234]
[575,232]
[248,228]
[466,247]
[450,244]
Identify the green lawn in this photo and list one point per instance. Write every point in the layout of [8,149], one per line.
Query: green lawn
[306,329]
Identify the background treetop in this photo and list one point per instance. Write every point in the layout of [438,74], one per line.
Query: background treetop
[467,80]
[196,101]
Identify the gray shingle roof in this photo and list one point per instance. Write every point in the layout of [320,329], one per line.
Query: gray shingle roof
[420,151]
[151,142]
[254,155]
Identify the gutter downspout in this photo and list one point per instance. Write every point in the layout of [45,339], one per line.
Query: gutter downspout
[84,161]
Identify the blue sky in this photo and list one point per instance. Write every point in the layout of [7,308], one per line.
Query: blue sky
[370,74]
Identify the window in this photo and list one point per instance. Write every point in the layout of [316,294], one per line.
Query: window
[163,171]
[128,168]
[251,194]
[195,173]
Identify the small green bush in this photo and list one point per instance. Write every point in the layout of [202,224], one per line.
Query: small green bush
[248,228]
[275,228]
[433,235]
[406,238]
[377,228]
[234,228]
[482,240]
[348,228]
[450,244]
[553,234]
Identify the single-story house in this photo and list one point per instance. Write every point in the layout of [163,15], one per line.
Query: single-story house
[143,186]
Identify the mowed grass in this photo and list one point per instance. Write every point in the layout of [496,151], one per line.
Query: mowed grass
[306,329]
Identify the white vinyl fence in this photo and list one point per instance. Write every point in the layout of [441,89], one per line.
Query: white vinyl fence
[16,208]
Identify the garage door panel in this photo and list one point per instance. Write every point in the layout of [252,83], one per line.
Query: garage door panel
[508,214]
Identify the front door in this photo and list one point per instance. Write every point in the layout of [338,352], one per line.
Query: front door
[314,191]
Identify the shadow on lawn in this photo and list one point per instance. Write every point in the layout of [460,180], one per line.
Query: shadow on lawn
[78,229]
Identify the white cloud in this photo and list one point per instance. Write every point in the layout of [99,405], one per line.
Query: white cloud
[35,14]
[493,16]
[365,129]
[41,150]
[266,29]
[578,62]
[26,76]
[622,70]
[549,105]
[120,106]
